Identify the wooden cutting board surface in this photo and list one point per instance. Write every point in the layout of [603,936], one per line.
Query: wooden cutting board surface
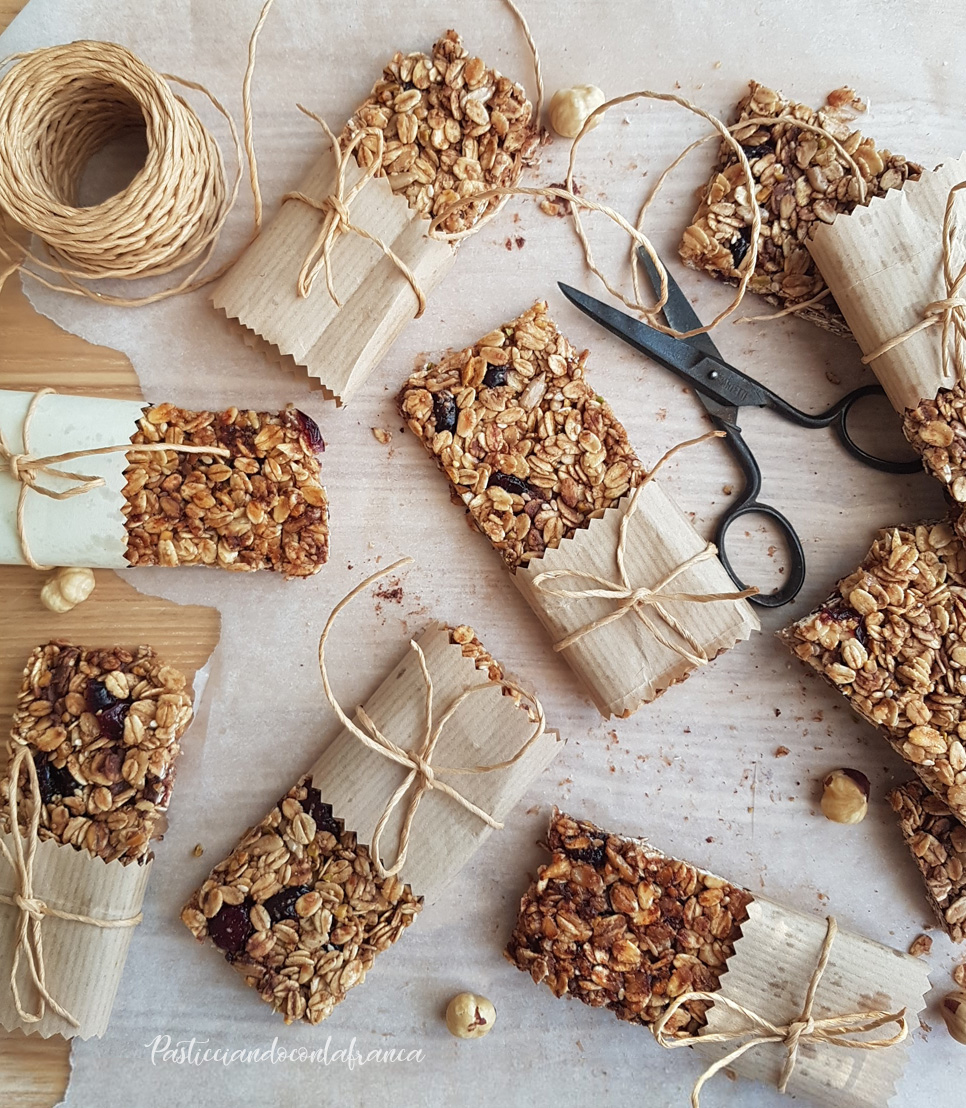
[35,353]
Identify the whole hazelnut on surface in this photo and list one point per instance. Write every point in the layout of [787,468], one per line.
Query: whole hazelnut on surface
[845,796]
[953,1008]
[469,1016]
[67,588]
[569,108]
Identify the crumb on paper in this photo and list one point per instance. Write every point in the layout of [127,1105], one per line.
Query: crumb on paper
[557,205]
[391,591]
[959,975]
[661,415]
[380,434]
[198,851]
[920,946]
[727,490]
[782,752]
[832,378]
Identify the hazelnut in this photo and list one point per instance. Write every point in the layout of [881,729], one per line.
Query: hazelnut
[845,796]
[67,588]
[469,1016]
[953,1008]
[570,107]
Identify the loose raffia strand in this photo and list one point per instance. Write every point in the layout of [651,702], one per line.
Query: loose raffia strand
[831,1030]
[421,773]
[33,911]
[27,467]
[629,598]
[950,312]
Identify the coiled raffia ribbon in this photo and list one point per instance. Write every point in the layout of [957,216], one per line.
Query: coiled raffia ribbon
[27,468]
[33,911]
[422,773]
[829,1031]
[949,312]
[637,599]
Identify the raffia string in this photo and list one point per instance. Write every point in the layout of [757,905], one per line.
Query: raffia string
[423,776]
[33,911]
[829,1031]
[950,312]
[27,468]
[638,599]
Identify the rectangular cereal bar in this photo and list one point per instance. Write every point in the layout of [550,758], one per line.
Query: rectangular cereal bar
[263,507]
[527,445]
[104,730]
[802,179]
[891,639]
[618,925]
[937,840]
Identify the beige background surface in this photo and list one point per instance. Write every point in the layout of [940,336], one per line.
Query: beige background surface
[697,771]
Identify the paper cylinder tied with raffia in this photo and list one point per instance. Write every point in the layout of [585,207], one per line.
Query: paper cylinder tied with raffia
[395,805]
[771,993]
[103,483]
[84,792]
[896,269]
[348,260]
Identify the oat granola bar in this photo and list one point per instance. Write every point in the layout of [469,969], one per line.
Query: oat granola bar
[937,430]
[892,639]
[451,127]
[527,445]
[937,840]
[618,925]
[261,508]
[801,179]
[104,729]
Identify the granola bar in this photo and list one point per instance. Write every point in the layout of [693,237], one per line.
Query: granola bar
[525,442]
[451,127]
[801,178]
[104,729]
[619,925]
[261,508]
[892,639]
[937,430]
[937,840]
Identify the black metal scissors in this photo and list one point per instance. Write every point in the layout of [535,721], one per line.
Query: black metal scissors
[723,389]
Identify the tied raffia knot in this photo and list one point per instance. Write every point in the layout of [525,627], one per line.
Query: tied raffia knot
[27,468]
[638,599]
[422,776]
[338,219]
[837,1031]
[31,908]
[949,313]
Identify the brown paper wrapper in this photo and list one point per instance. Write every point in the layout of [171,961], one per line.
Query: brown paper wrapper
[337,346]
[622,664]
[769,973]
[83,963]
[488,727]
[883,264]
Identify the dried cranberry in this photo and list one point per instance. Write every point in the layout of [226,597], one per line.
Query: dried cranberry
[509,483]
[321,813]
[98,698]
[444,411]
[310,432]
[112,720]
[231,928]
[739,248]
[754,152]
[55,782]
[282,905]
[495,376]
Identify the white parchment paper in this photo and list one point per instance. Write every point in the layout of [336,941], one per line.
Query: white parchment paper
[697,770]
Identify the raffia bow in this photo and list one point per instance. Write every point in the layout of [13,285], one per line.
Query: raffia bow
[28,468]
[829,1031]
[423,776]
[949,312]
[337,221]
[638,599]
[33,911]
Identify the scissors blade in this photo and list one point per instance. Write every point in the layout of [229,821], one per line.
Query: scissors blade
[713,379]
[678,311]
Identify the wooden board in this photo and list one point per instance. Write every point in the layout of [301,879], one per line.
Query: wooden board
[34,353]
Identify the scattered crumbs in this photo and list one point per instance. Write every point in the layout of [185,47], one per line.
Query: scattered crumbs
[661,415]
[516,217]
[380,434]
[565,781]
[920,946]
[677,84]
[391,591]
[717,65]
[782,752]
[832,378]
[727,490]
[778,712]
[613,769]
[534,810]
[612,735]
[817,718]
[925,1026]
[520,241]
[349,566]
[709,839]
[771,551]
[731,1074]
[198,851]
[822,896]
